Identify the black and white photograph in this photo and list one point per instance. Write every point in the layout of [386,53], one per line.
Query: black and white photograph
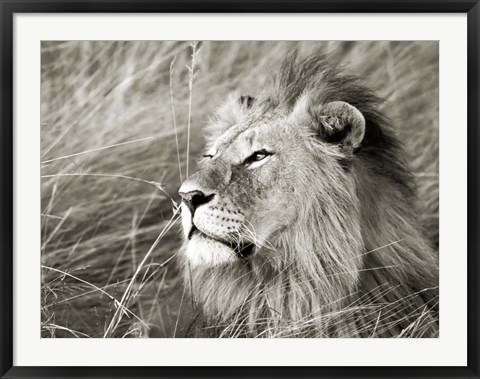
[239,189]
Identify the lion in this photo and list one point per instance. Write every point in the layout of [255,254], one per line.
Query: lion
[301,219]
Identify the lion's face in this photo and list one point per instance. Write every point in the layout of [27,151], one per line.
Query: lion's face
[249,187]
[239,197]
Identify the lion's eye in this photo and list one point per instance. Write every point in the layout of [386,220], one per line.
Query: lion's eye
[257,157]
[207,155]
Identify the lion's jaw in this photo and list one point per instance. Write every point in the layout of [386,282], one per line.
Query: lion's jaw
[214,237]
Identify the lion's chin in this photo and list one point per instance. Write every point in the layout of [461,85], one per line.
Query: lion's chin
[205,251]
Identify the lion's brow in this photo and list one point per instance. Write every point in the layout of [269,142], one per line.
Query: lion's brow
[232,133]
[229,136]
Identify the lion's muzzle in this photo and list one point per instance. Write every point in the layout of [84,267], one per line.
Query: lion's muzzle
[212,226]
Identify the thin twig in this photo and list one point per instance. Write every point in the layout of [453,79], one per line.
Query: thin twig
[57,228]
[117,303]
[191,76]
[172,66]
[97,149]
[59,138]
[157,185]
[117,316]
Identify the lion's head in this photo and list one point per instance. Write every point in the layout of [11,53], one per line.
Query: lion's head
[297,189]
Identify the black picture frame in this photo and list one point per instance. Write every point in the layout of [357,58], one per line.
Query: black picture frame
[10,8]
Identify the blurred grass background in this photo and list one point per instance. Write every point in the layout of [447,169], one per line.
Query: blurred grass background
[110,170]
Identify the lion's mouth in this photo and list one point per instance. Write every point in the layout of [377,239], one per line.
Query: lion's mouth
[242,250]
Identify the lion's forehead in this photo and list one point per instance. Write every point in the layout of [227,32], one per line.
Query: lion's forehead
[243,139]
[234,141]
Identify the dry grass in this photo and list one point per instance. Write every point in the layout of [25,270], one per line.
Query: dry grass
[119,123]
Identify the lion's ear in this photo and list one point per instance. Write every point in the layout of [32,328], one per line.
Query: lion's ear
[341,123]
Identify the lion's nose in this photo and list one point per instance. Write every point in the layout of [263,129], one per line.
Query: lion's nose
[193,199]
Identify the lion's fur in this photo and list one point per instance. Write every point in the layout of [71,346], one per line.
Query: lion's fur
[354,262]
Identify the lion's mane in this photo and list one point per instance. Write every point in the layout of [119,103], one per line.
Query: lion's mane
[355,263]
